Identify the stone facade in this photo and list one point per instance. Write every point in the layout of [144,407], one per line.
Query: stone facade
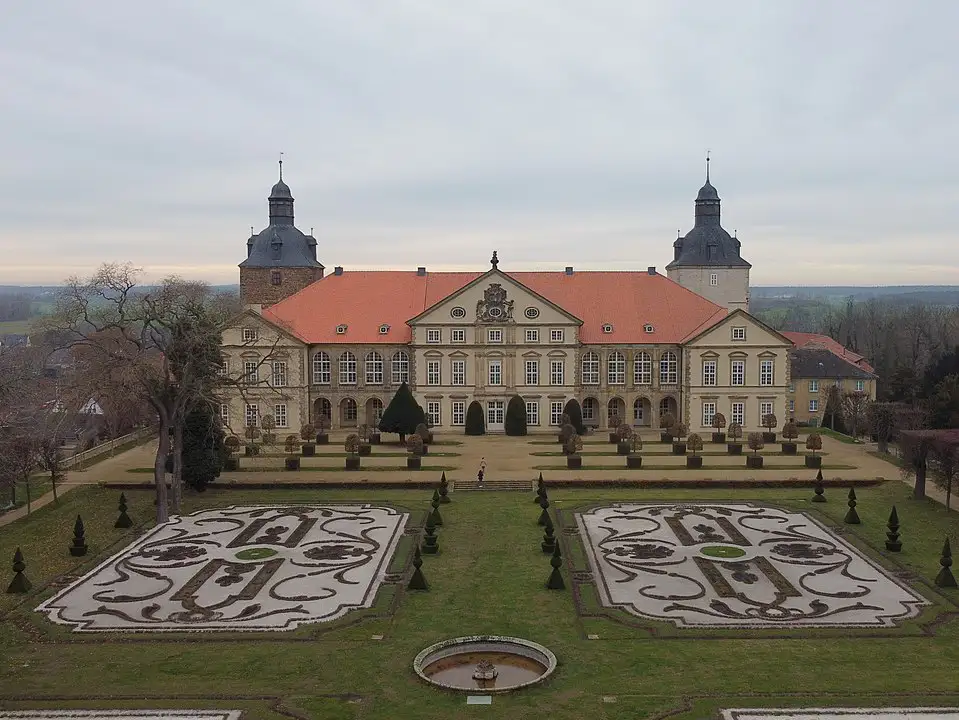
[258,286]
[726,286]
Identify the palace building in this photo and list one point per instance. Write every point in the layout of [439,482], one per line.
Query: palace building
[628,345]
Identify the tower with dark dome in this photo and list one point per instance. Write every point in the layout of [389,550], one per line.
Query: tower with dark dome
[707,259]
[280,260]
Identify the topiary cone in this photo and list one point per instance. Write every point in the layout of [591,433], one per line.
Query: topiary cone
[852,517]
[417,580]
[444,490]
[20,584]
[893,544]
[549,539]
[555,581]
[124,520]
[819,490]
[435,515]
[945,578]
[544,515]
[430,544]
[79,546]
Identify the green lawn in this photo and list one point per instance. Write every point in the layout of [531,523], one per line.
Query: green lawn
[488,578]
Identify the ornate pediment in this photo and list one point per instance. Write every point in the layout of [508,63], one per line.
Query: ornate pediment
[494,307]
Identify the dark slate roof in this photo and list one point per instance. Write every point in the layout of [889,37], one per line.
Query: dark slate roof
[707,244]
[295,248]
[281,190]
[819,363]
[707,192]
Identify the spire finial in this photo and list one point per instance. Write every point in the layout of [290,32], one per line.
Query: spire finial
[494,261]
[281,167]
[707,166]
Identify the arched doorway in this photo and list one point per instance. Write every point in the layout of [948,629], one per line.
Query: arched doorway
[348,412]
[590,412]
[322,409]
[668,405]
[642,412]
[374,411]
[615,412]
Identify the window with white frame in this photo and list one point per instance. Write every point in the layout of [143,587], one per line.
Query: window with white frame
[792,406]
[792,387]
[532,372]
[457,372]
[400,367]
[590,407]
[668,368]
[321,368]
[458,412]
[433,372]
[279,415]
[814,386]
[557,335]
[709,410]
[737,372]
[224,368]
[250,334]
[532,335]
[374,368]
[643,369]
[279,374]
[590,368]
[709,372]
[494,335]
[766,376]
[251,415]
[713,279]
[225,413]
[557,372]
[555,412]
[765,408]
[347,368]
[737,413]
[251,372]
[814,405]
[495,372]
[616,368]
[860,385]
[433,412]
[739,333]
[532,412]
[638,413]
[458,335]
[434,336]
[348,408]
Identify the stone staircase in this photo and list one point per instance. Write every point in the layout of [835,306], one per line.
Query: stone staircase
[494,485]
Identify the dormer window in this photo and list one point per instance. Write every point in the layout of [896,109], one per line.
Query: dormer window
[739,333]
[647,328]
[249,334]
[341,329]
[607,328]
[384,329]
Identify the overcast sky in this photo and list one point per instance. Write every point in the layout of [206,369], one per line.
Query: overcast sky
[430,132]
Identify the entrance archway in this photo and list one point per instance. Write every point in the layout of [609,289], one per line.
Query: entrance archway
[642,412]
[322,408]
[348,412]
[374,411]
[615,412]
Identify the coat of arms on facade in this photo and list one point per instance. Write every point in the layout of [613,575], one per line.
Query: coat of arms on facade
[494,307]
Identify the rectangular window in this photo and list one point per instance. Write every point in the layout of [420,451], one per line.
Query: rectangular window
[714,279]
[555,412]
[279,374]
[495,335]
[458,372]
[557,335]
[433,412]
[590,369]
[458,410]
[224,368]
[458,335]
[814,386]
[813,406]
[251,370]
[225,413]
[434,336]
[737,372]
[589,410]
[792,406]
[737,413]
[532,412]
[532,372]
[709,410]
[739,333]
[252,415]
[860,385]
[532,335]
[792,387]
[249,335]
[433,372]
[557,372]
[494,413]
[495,372]
[276,278]
[709,373]
[766,372]
[638,414]
[279,415]
[765,408]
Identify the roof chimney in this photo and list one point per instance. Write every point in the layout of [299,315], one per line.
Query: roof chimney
[338,270]
[569,269]
[651,269]
[421,271]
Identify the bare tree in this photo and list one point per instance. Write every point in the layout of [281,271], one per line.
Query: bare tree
[945,462]
[881,419]
[855,406]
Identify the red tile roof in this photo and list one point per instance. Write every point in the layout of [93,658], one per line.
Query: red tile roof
[805,340]
[365,300]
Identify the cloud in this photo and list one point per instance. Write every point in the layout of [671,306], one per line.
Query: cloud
[420,132]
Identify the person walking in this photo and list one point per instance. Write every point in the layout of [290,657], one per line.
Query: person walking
[481,473]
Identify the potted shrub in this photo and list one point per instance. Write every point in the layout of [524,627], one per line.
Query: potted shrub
[573,446]
[666,423]
[269,425]
[563,422]
[814,445]
[734,436]
[352,447]
[475,420]
[695,443]
[374,437]
[415,447]
[565,433]
[292,444]
[308,435]
[322,430]
[614,423]
[252,433]
[769,422]
[719,422]
[623,435]
[678,432]
[634,460]
[790,433]
[756,443]
[364,431]
[423,430]
[232,445]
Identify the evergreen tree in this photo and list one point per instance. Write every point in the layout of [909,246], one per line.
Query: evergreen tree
[575,412]
[475,422]
[204,449]
[516,416]
[403,414]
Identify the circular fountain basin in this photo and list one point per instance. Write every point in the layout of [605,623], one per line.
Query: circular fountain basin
[487,663]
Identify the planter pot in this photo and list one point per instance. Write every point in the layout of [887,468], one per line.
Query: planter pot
[352,462]
[622,448]
[679,448]
[754,462]
[269,438]
[414,462]
[375,439]
[231,464]
[814,461]
[719,438]
[292,463]
[634,461]
[613,438]
[789,448]
[309,450]
[665,438]
[322,439]
[694,462]
[574,462]
[735,448]
[365,449]
[769,437]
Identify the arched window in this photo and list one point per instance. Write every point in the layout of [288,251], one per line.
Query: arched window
[590,368]
[643,369]
[400,367]
[348,412]
[616,368]
[589,409]
[348,369]
[668,368]
[376,408]
[321,368]
[615,412]
[666,406]
[322,408]
[374,368]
